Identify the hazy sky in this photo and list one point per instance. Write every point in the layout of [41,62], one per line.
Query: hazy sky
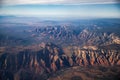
[16,2]
[61,8]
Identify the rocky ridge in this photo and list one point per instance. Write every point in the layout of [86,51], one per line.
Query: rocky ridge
[50,58]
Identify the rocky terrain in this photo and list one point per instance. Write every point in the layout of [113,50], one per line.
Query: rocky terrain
[55,52]
[87,73]
[81,35]
[50,58]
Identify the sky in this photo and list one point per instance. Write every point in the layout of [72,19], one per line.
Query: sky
[61,8]
[17,2]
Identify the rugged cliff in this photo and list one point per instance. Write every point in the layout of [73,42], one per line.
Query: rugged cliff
[48,58]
